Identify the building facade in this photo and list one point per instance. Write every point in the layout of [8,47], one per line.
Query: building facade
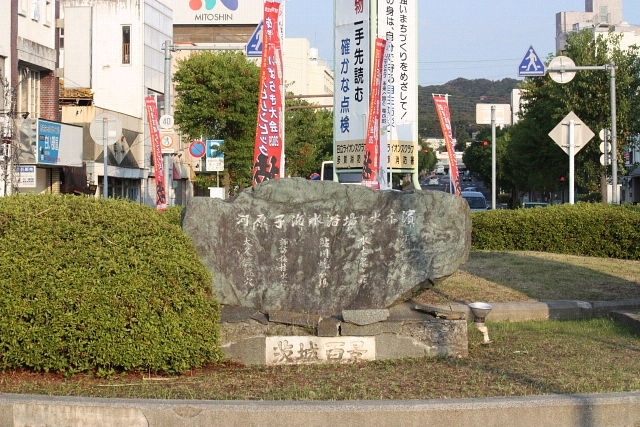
[87,66]
[28,73]
[112,59]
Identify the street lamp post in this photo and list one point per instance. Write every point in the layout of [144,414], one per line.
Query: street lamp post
[493,157]
[562,69]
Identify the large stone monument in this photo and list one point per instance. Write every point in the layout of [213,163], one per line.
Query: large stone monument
[320,247]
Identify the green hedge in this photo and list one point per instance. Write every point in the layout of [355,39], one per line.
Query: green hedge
[587,229]
[101,285]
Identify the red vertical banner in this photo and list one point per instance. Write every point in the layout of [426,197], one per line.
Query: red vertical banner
[268,156]
[442,107]
[371,167]
[156,148]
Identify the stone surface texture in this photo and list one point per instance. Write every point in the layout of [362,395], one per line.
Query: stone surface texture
[321,247]
[406,333]
[365,317]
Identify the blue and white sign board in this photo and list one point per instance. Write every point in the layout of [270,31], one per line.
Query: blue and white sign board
[531,64]
[59,144]
[213,148]
[214,161]
[254,47]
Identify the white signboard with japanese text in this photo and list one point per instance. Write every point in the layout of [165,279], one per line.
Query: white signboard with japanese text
[357,24]
[352,77]
[397,22]
[27,176]
[295,350]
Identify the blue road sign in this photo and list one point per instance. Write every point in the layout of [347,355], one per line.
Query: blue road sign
[254,47]
[213,148]
[197,149]
[531,64]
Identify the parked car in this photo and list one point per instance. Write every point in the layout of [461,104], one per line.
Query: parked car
[433,181]
[469,189]
[477,201]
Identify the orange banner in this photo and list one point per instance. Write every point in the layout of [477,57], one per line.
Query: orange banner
[442,107]
[371,168]
[268,157]
[156,147]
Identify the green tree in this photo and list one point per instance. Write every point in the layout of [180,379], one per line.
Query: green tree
[308,138]
[217,97]
[539,162]
[477,159]
[426,158]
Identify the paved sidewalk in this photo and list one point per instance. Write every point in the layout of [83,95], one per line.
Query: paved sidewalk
[552,310]
[589,410]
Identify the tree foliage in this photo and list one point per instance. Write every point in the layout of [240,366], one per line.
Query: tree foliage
[427,159]
[463,94]
[539,162]
[217,98]
[308,138]
[478,156]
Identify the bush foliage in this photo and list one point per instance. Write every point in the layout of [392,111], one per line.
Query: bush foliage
[101,286]
[586,229]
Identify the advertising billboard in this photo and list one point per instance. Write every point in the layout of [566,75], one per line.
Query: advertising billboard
[59,144]
[221,12]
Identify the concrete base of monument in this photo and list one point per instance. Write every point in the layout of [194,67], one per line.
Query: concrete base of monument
[280,338]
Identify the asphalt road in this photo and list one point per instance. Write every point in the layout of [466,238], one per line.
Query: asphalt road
[444,184]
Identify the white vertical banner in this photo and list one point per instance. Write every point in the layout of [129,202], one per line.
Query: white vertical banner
[352,72]
[397,22]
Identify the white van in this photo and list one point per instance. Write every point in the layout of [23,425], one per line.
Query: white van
[477,201]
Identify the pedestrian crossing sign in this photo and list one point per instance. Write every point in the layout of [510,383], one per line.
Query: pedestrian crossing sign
[254,47]
[531,64]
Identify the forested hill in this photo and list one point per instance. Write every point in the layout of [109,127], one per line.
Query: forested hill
[463,94]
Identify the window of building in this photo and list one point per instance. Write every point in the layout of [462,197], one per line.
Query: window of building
[35,10]
[48,13]
[126,44]
[603,15]
[29,92]
[23,7]
[4,88]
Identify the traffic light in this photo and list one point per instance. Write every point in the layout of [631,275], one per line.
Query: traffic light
[485,143]
[605,147]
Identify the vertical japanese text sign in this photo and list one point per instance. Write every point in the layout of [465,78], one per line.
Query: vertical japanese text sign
[156,147]
[268,157]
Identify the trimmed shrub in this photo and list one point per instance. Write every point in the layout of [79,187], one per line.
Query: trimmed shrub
[101,285]
[586,229]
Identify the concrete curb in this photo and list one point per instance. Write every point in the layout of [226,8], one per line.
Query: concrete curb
[610,409]
[548,310]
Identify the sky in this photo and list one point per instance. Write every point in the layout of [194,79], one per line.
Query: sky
[459,38]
